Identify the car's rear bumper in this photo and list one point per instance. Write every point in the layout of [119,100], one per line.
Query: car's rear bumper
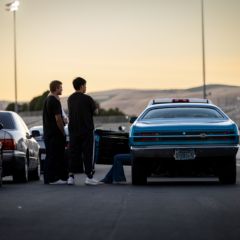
[169,151]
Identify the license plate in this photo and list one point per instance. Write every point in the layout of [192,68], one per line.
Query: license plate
[184,154]
[43,156]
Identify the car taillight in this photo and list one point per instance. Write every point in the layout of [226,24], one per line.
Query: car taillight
[147,134]
[144,139]
[8,144]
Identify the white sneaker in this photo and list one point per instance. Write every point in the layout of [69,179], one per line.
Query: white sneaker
[91,181]
[70,181]
[58,182]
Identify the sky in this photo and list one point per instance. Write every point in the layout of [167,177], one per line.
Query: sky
[139,44]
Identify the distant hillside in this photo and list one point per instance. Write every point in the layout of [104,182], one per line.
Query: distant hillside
[132,101]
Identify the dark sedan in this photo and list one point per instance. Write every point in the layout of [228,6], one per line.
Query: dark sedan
[20,151]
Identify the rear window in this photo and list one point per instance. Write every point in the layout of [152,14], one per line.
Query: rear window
[183,112]
[7,120]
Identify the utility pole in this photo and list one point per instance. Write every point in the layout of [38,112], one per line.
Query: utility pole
[203,52]
[13,7]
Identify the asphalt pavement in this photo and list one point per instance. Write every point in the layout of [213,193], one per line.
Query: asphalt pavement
[164,209]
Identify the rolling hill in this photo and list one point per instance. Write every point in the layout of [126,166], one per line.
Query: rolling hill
[133,101]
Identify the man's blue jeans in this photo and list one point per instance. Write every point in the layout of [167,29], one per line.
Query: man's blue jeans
[116,173]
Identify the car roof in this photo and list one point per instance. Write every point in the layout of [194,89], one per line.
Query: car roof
[39,128]
[178,101]
[181,105]
[174,105]
[36,127]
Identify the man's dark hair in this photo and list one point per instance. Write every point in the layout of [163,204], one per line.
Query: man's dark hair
[78,82]
[54,85]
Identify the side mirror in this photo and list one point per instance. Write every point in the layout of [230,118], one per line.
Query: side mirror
[132,119]
[35,133]
[1,126]
[28,136]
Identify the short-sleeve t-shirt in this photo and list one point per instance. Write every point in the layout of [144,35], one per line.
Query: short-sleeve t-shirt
[81,108]
[52,107]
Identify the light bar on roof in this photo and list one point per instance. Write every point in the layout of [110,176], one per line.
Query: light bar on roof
[178,100]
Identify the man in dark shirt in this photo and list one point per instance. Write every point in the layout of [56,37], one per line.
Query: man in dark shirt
[81,108]
[55,171]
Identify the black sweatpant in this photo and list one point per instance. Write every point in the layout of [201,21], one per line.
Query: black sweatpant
[55,166]
[81,149]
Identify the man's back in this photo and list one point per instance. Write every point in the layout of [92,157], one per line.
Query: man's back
[51,107]
[81,108]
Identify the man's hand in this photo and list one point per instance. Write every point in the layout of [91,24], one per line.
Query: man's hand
[60,123]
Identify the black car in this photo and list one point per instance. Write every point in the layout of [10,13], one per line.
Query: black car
[20,151]
[109,143]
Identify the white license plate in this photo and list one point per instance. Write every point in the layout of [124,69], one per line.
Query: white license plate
[43,156]
[184,154]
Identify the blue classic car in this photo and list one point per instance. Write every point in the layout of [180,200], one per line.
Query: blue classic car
[182,137]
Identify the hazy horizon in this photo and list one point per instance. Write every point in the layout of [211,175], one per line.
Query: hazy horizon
[135,89]
[137,44]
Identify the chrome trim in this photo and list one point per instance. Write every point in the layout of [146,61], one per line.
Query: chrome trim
[183,135]
[181,146]
[163,152]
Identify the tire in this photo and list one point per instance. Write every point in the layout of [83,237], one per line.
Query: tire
[227,171]
[0,169]
[21,175]
[35,174]
[0,177]
[139,175]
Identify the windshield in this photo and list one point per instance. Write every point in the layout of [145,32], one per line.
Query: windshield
[182,112]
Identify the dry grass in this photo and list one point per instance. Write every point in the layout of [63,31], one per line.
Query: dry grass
[132,101]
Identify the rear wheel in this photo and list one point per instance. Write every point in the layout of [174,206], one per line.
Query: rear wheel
[35,174]
[227,170]
[139,174]
[21,175]
[0,177]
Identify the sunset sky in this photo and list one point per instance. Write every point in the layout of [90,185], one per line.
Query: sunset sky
[141,44]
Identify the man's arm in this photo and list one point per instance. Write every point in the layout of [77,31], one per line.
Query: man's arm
[60,123]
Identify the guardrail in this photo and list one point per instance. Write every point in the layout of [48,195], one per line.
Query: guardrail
[35,117]
[35,120]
